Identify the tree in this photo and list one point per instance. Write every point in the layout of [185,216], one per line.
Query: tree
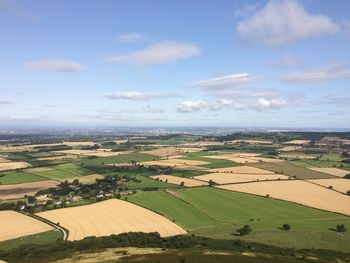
[348,192]
[245,230]
[286,227]
[341,228]
[182,183]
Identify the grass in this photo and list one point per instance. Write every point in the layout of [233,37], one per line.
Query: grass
[55,175]
[187,173]
[228,211]
[213,163]
[288,168]
[123,158]
[147,182]
[72,168]
[41,238]
[18,177]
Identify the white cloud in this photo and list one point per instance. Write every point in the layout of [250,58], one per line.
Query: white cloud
[130,37]
[54,65]
[262,104]
[287,61]
[265,104]
[284,22]
[134,95]
[228,81]
[191,106]
[160,53]
[327,73]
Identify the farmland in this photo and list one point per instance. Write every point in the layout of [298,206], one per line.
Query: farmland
[207,188]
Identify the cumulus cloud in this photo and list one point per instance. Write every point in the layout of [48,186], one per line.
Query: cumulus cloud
[130,37]
[287,61]
[191,106]
[160,53]
[137,96]
[266,104]
[323,74]
[284,22]
[54,65]
[262,104]
[228,81]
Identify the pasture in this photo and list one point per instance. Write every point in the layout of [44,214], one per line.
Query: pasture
[18,177]
[179,180]
[14,225]
[110,217]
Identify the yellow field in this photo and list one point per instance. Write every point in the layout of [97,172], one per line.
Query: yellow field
[110,217]
[98,153]
[87,179]
[15,225]
[332,171]
[183,164]
[298,142]
[240,170]
[169,151]
[20,190]
[297,191]
[178,180]
[243,158]
[4,166]
[79,143]
[226,178]
[339,184]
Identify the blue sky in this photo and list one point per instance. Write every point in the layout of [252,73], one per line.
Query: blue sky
[175,63]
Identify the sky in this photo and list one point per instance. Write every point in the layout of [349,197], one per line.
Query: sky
[276,63]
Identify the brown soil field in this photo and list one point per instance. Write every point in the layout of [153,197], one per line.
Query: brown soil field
[251,142]
[298,142]
[240,170]
[112,216]
[98,153]
[178,180]
[169,151]
[86,179]
[339,184]
[297,191]
[16,191]
[15,225]
[13,165]
[226,178]
[332,171]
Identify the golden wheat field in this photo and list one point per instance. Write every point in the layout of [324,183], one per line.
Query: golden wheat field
[226,178]
[297,191]
[98,153]
[15,225]
[332,171]
[5,166]
[110,217]
[178,180]
[240,170]
[339,184]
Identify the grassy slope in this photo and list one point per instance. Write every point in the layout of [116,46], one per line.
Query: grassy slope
[41,238]
[72,168]
[55,174]
[18,177]
[147,182]
[230,210]
[290,169]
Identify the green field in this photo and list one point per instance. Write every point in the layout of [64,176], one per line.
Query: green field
[123,158]
[213,163]
[55,175]
[72,168]
[218,213]
[147,182]
[18,177]
[290,169]
[41,238]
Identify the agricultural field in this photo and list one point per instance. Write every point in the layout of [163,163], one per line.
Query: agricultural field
[110,217]
[6,166]
[179,180]
[24,225]
[18,177]
[331,171]
[14,191]
[338,184]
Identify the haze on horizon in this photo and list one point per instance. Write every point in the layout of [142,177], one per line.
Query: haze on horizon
[175,63]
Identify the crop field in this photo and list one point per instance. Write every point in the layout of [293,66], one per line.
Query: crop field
[169,151]
[146,182]
[5,166]
[86,179]
[226,178]
[110,217]
[241,170]
[18,177]
[298,142]
[332,171]
[339,184]
[179,180]
[57,175]
[98,153]
[170,163]
[218,213]
[71,168]
[14,225]
[15,191]
[212,162]
[297,191]
[292,170]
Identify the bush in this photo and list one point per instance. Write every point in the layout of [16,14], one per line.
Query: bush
[286,227]
[341,228]
[245,230]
